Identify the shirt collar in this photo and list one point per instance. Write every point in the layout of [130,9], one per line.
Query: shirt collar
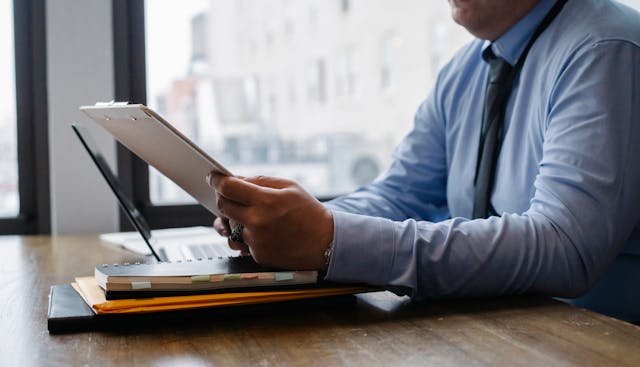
[510,45]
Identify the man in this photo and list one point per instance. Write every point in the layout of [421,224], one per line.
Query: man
[562,180]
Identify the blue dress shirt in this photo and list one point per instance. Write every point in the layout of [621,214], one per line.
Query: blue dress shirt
[567,180]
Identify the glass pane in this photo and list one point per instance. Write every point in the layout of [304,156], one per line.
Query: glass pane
[9,199]
[317,91]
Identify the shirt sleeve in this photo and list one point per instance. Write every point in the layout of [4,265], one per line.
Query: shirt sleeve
[584,207]
[414,186]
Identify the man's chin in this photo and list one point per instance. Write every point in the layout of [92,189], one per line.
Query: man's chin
[460,16]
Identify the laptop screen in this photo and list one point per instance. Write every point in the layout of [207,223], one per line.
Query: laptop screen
[125,202]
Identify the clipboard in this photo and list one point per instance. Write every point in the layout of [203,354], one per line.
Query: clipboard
[149,136]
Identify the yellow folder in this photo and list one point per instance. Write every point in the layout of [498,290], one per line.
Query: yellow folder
[93,295]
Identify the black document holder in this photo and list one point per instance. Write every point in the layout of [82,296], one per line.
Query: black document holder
[69,313]
[67,310]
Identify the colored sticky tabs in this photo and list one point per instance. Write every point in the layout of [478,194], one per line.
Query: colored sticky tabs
[231,276]
[249,276]
[200,278]
[217,278]
[140,285]
[284,275]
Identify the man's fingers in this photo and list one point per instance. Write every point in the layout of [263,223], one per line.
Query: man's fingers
[239,246]
[233,210]
[221,225]
[243,248]
[249,190]
[271,182]
[236,189]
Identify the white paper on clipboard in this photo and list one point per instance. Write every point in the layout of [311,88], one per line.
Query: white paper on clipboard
[161,145]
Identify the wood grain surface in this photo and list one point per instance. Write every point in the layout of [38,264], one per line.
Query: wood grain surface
[377,329]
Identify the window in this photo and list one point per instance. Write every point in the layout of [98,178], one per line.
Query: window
[24,202]
[278,87]
[9,196]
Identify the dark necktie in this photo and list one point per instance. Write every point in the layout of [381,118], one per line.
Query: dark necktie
[499,83]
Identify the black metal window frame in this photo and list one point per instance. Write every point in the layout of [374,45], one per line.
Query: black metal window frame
[31,113]
[130,85]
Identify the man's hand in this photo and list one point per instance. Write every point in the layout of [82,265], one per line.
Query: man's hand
[284,226]
[223,227]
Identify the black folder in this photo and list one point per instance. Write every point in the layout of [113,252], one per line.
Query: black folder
[67,310]
[69,313]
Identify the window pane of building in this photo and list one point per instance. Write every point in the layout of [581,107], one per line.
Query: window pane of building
[9,197]
[319,91]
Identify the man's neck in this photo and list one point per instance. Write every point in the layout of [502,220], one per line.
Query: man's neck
[504,20]
[518,13]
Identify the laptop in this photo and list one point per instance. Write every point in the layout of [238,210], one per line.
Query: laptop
[175,244]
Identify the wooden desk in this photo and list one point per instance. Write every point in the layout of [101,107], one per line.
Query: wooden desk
[377,329]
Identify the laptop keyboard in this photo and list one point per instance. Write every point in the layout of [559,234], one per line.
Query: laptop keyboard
[194,248]
[205,250]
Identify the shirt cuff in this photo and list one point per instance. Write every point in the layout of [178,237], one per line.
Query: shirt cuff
[363,249]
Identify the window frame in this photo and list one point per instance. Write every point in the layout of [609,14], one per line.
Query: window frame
[130,85]
[31,118]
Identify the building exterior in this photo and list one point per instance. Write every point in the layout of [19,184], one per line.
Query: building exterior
[314,90]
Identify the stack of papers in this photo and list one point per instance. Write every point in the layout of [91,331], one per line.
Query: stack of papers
[154,287]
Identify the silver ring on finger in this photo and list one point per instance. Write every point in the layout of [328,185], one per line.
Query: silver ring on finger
[236,234]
